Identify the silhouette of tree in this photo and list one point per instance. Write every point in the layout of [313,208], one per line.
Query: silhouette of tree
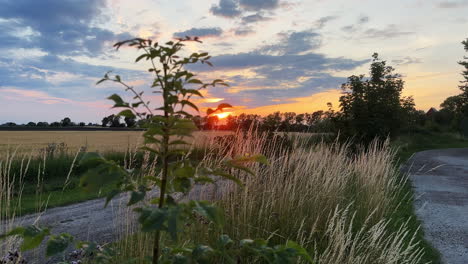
[66,122]
[130,121]
[371,107]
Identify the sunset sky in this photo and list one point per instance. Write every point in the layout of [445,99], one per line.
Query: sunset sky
[277,55]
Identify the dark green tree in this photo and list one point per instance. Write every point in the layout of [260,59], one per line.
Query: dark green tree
[130,121]
[105,121]
[371,106]
[66,122]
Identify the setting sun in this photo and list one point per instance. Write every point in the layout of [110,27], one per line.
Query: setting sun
[223,115]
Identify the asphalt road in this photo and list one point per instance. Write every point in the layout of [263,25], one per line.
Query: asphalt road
[440,182]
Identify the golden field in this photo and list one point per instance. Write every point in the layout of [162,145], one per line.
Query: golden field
[92,140]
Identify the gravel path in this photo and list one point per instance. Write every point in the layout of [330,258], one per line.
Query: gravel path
[90,221]
[440,182]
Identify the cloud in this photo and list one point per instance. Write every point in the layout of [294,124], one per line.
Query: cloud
[64,27]
[363,19]
[255,5]
[452,4]
[235,8]
[407,60]
[390,31]
[321,22]
[258,17]
[243,31]
[200,32]
[280,71]
[295,42]
[226,8]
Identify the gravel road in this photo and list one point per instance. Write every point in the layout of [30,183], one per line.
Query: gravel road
[440,182]
[90,221]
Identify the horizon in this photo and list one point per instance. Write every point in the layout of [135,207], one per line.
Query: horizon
[277,55]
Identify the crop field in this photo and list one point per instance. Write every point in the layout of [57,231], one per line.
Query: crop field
[108,141]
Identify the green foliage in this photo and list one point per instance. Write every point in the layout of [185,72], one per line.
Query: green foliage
[371,107]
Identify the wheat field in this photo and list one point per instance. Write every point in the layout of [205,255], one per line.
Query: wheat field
[31,141]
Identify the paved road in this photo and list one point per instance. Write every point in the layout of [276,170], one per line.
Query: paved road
[440,182]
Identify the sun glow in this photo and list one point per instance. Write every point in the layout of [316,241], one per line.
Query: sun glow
[223,114]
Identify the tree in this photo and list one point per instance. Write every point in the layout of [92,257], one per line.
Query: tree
[464,82]
[42,124]
[105,121]
[82,124]
[130,121]
[31,124]
[114,120]
[66,122]
[371,106]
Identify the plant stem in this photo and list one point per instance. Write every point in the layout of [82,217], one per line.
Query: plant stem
[165,153]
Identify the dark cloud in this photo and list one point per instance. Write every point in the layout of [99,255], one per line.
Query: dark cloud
[323,21]
[349,28]
[255,5]
[258,17]
[294,42]
[200,32]
[243,31]
[363,20]
[63,27]
[235,8]
[226,8]
[391,31]
[359,24]
[452,4]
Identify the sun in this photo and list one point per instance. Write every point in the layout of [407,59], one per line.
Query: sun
[223,115]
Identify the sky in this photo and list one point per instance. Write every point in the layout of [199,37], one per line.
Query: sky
[277,55]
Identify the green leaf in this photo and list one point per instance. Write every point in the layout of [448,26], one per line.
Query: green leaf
[137,196]
[209,211]
[224,105]
[186,102]
[185,172]
[141,57]
[105,173]
[116,98]
[152,219]
[209,111]
[102,80]
[196,81]
[202,253]
[127,113]
[110,196]
[193,91]
[91,159]
[32,236]
[58,243]
[300,251]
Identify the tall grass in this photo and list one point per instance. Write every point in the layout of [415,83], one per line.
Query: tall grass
[335,202]
[11,187]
